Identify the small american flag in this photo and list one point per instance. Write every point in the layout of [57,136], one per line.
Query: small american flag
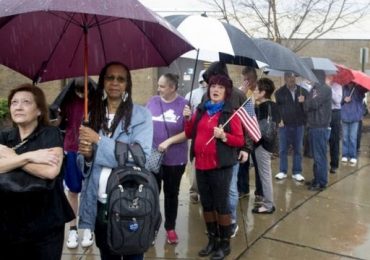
[249,120]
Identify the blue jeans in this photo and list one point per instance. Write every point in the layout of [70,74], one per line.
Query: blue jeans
[233,193]
[349,146]
[291,135]
[318,138]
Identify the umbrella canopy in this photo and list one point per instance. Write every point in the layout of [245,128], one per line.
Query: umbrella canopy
[283,59]
[346,75]
[216,40]
[361,79]
[52,39]
[318,63]
[45,39]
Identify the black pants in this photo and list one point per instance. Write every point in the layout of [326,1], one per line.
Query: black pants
[44,247]
[101,229]
[243,176]
[334,140]
[214,187]
[171,177]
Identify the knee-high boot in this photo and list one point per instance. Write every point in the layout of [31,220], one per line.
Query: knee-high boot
[213,239]
[224,246]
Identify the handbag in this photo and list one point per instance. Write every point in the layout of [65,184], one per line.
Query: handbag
[268,127]
[17,180]
[154,162]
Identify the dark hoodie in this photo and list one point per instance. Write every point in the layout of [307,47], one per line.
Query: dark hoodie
[318,103]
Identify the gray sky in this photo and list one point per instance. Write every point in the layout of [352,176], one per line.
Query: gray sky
[360,30]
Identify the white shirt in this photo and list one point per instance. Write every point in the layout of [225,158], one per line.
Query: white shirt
[105,172]
[337,94]
[196,97]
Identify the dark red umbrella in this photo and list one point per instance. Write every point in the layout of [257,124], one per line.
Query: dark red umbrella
[53,39]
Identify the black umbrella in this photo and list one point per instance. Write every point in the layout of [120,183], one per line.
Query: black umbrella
[216,41]
[67,91]
[283,59]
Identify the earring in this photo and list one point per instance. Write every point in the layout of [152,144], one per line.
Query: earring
[104,97]
[124,97]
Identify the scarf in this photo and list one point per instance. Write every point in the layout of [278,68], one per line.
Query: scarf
[213,108]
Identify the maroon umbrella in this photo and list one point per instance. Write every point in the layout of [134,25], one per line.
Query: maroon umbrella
[53,39]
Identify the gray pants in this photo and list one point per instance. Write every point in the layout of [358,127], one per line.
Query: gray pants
[264,169]
[193,190]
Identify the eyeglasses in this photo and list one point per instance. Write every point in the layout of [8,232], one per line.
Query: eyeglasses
[120,79]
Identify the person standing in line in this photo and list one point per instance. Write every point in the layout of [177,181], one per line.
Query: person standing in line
[114,117]
[32,223]
[237,98]
[169,137]
[264,148]
[317,106]
[196,98]
[335,124]
[71,110]
[249,85]
[215,149]
[351,113]
[289,99]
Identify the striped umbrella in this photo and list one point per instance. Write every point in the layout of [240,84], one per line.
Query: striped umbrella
[215,40]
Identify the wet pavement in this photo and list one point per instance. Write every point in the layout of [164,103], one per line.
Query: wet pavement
[332,224]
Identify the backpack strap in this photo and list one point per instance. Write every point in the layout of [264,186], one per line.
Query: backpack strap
[130,153]
[121,152]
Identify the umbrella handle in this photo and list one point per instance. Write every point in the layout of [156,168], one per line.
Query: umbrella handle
[86,64]
[192,82]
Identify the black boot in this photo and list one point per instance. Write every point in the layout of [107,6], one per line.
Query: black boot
[223,250]
[224,247]
[213,240]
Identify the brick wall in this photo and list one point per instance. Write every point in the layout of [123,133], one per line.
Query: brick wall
[145,80]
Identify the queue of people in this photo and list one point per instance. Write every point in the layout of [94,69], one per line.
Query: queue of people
[221,151]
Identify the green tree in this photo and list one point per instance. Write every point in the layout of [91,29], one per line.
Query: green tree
[4,111]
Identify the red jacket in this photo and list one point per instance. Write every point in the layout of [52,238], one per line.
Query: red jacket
[206,157]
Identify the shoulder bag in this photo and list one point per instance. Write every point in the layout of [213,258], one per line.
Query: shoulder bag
[268,127]
[155,159]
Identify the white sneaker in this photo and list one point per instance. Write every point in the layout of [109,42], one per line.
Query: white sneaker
[344,159]
[298,177]
[353,161]
[234,230]
[281,176]
[72,241]
[88,238]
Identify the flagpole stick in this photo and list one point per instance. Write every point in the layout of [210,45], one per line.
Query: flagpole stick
[231,117]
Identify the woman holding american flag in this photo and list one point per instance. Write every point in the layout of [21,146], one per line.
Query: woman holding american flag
[214,147]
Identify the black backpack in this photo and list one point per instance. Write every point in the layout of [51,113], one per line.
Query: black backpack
[133,209]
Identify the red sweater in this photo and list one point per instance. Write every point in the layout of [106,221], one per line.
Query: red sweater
[205,155]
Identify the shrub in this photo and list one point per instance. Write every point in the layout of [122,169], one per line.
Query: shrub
[4,111]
